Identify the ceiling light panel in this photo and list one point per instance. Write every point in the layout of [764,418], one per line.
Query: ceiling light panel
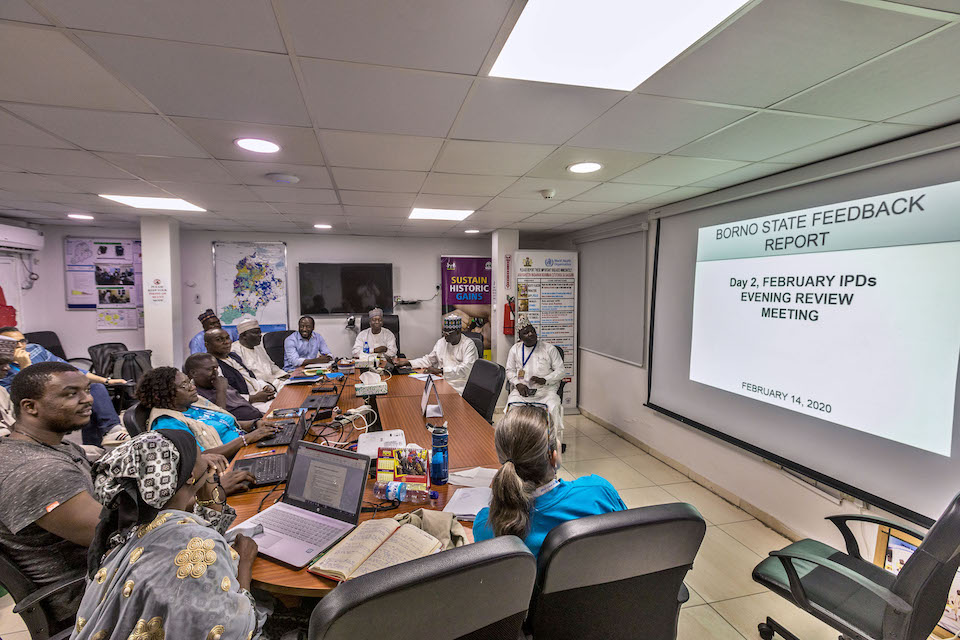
[613,44]
[141,202]
[439,214]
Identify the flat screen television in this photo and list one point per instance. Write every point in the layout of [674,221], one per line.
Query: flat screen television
[345,288]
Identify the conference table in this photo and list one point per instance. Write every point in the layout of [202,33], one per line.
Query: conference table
[470,445]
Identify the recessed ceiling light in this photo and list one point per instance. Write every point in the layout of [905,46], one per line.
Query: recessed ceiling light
[142,202]
[322,226]
[284,178]
[472,231]
[440,214]
[257,145]
[80,216]
[619,43]
[584,167]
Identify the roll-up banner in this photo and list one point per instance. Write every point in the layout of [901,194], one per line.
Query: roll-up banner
[465,291]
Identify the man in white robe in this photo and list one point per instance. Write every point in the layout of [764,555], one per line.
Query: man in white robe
[535,369]
[453,355]
[249,346]
[379,341]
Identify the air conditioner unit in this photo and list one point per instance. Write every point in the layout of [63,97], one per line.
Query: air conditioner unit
[20,238]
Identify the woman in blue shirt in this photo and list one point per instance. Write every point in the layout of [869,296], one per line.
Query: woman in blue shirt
[528,499]
[174,404]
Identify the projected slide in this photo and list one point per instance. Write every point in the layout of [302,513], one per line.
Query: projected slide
[848,312]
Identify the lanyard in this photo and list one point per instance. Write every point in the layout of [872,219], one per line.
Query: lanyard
[524,356]
[539,491]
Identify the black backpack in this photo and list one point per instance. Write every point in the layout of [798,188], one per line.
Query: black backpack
[129,365]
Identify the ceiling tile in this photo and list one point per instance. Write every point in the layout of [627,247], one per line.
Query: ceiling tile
[942,5]
[377,199]
[441,35]
[298,145]
[923,72]
[433,201]
[377,212]
[255,173]
[655,125]
[485,217]
[767,134]
[47,207]
[60,162]
[379,150]
[505,110]
[358,97]
[42,66]
[378,180]
[466,185]
[200,193]
[612,192]
[245,24]
[790,45]
[13,130]
[744,174]
[517,205]
[531,187]
[296,196]
[238,208]
[97,186]
[490,158]
[940,113]
[614,163]
[171,169]
[553,219]
[25,182]
[20,11]
[847,142]
[583,208]
[676,195]
[111,131]
[296,209]
[678,171]
[205,81]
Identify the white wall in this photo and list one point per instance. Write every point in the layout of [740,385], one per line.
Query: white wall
[416,274]
[45,305]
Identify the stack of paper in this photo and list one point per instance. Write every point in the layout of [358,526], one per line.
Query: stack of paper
[476,477]
[466,503]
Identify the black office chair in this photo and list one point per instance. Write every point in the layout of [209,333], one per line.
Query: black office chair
[30,598]
[273,345]
[475,592]
[563,383]
[616,575]
[477,340]
[483,387]
[50,341]
[135,419]
[100,357]
[858,598]
[390,321]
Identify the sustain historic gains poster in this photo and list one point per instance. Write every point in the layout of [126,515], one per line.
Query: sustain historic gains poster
[465,290]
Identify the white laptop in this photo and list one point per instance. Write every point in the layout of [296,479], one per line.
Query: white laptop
[430,410]
[321,504]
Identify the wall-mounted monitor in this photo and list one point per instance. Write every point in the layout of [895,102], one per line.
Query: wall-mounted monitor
[345,288]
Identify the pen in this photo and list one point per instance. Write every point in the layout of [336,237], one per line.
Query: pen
[259,453]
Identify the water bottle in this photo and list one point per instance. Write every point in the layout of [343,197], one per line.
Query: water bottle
[390,491]
[439,457]
[366,347]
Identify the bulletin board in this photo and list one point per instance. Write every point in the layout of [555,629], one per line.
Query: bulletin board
[105,275]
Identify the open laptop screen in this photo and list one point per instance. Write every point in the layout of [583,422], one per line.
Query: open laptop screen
[327,481]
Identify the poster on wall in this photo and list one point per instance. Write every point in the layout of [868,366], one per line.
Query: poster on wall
[466,291]
[251,282]
[105,275]
[547,298]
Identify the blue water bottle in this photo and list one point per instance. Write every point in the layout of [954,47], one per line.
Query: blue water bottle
[366,347]
[439,457]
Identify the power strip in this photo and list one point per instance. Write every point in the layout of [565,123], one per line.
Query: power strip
[375,389]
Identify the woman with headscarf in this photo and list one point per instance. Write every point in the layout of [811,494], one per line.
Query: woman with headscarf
[159,566]
[174,404]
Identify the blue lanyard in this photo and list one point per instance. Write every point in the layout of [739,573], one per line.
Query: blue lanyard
[523,351]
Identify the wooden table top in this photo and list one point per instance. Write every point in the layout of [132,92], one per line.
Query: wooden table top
[471,445]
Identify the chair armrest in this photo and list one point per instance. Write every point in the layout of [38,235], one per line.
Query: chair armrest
[684,594]
[72,579]
[87,362]
[796,587]
[853,548]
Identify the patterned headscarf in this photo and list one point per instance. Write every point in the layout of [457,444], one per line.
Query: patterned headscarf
[375,312]
[7,348]
[134,482]
[206,314]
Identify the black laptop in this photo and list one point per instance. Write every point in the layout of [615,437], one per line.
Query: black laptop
[273,468]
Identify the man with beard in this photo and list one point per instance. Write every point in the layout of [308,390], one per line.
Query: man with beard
[535,369]
[47,511]
[452,357]
[257,392]
[250,349]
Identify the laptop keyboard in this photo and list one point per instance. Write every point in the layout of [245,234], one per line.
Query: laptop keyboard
[281,437]
[267,469]
[298,527]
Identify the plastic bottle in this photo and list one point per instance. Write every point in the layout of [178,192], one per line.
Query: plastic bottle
[366,347]
[439,457]
[391,491]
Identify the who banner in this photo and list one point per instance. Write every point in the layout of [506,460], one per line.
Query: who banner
[465,291]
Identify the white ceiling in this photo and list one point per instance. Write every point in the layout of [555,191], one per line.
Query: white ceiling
[381,106]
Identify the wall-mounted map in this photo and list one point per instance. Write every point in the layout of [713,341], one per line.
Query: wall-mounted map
[251,281]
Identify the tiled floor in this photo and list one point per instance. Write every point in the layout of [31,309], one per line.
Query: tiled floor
[725,603]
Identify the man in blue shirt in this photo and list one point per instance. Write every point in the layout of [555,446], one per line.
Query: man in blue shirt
[104,416]
[305,347]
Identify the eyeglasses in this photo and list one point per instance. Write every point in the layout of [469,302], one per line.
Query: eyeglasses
[185,385]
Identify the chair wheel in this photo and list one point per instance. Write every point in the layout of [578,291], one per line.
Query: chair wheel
[563,447]
[766,632]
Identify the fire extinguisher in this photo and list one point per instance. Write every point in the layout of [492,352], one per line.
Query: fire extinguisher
[508,311]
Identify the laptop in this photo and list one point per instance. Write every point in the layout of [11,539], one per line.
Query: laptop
[430,410]
[320,506]
[273,468]
[288,433]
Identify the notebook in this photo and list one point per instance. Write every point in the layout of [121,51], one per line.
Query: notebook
[374,545]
